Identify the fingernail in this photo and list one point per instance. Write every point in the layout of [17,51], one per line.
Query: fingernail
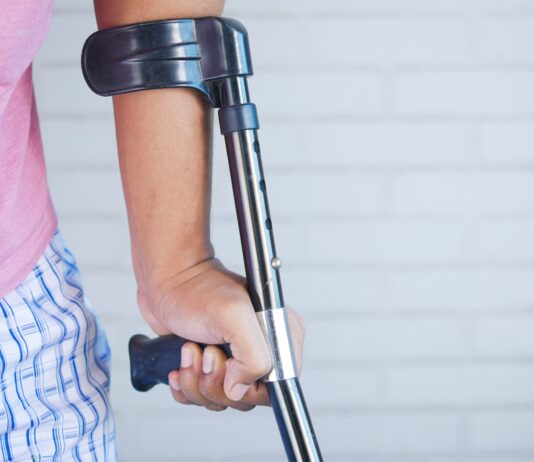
[238,391]
[207,363]
[174,384]
[187,358]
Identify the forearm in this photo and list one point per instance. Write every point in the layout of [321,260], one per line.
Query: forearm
[164,144]
[164,149]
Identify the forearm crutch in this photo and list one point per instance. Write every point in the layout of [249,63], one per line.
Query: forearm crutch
[212,56]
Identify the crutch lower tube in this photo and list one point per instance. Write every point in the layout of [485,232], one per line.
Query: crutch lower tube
[212,55]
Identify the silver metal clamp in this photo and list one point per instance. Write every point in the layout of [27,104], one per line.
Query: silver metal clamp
[275,326]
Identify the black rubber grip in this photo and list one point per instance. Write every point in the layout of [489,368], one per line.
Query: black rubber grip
[151,360]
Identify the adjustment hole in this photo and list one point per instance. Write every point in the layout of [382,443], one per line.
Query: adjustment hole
[268,223]
[262,185]
[256,146]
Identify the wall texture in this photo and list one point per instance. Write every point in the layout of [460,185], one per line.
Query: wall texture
[398,141]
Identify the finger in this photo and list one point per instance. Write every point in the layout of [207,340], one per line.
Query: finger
[298,333]
[257,395]
[190,370]
[174,385]
[212,379]
[251,359]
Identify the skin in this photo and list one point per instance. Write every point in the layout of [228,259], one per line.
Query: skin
[164,140]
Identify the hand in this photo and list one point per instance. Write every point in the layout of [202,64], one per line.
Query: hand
[209,304]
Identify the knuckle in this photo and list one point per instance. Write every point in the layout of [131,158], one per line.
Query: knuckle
[241,308]
[262,365]
[180,398]
[297,326]
[216,407]
[190,394]
[207,388]
[299,319]
[244,407]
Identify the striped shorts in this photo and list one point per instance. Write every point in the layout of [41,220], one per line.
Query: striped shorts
[54,368]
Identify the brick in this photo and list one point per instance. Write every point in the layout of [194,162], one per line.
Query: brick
[288,41]
[316,290]
[98,243]
[504,40]
[367,243]
[278,8]
[296,194]
[385,40]
[342,8]
[461,289]
[505,336]
[464,93]
[386,7]
[385,339]
[66,143]
[512,7]
[464,456]
[345,243]
[323,194]
[65,39]
[87,193]
[378,243]
[322,93]
[69,7]
[463,193]
[503,430]
[391,433]
[225,238]
[460,384]
[381,143]
[62,91]
[259,458]
[219,428]
[507,143]
[112,292]
[434,8]
[477,457]
[501,240]
[371,434]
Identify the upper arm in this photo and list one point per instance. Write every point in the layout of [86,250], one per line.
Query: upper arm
[110,13]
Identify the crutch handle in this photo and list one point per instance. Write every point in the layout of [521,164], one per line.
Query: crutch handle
[151,360]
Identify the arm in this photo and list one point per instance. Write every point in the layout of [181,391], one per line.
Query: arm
[164,144]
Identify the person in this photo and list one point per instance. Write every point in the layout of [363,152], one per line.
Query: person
[54,355]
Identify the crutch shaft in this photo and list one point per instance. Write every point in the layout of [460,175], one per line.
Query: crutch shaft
[262,270]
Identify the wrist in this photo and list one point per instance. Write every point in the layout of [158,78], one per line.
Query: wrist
[155,298]
[156,271]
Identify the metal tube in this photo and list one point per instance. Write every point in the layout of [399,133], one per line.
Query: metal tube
[252,208]
[294,422]
[262,268]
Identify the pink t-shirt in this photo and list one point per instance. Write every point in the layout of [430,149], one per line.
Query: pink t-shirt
[27,217]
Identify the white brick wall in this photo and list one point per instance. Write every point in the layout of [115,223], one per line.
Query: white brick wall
[398,141]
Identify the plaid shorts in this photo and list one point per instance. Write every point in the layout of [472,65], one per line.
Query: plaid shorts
[54,368]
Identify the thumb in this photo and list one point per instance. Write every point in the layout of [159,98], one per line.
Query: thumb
[251,358]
